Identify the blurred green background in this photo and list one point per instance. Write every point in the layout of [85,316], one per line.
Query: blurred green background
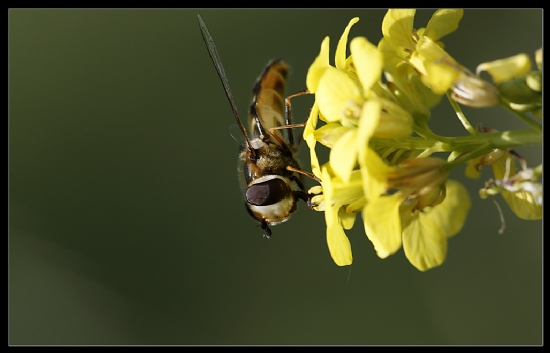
[126,222]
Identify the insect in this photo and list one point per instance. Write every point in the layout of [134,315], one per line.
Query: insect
[272,175]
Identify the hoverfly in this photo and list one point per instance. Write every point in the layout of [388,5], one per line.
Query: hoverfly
[272,175]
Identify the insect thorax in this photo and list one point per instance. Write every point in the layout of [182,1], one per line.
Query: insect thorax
[270,160]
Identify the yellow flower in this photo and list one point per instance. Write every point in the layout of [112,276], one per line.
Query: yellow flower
[420,215]
[397,26]
[410,205]
[335,198]
[309,137]
[344,98]
[404,84]
[321,63]
[372,109]
[519,189]
[519,87]
[341,93]
[338,243]
[314,75]
[438,70]
[351,108]
[425,238]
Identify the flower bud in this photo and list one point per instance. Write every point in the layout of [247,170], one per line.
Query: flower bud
[506,69]
[517,91]
[534,81]
[474,92]
[492,157]
[431,197]
[538,58]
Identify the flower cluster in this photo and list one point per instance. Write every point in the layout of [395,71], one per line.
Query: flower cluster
[372,110]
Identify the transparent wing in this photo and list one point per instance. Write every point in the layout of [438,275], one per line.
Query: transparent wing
[209,41]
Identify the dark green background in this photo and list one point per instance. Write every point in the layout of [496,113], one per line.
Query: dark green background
[126,223]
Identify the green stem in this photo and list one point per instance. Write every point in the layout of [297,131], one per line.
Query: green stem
[423,130]
[461,115]
[501,140]
[523,117]
[480,151]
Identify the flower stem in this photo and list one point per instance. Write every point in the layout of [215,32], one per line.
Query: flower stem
[480,151]
[501,140]
[461,115]
[523,117]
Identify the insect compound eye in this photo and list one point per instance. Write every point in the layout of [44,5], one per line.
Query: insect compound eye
[267,193]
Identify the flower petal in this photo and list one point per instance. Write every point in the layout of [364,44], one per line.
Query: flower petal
[397,28]
[337,241]
[443,22]
[318,67]
[391,52]
[336,94]
[425,238]
[424,243]
[523,204]
[368,61]
[347,218]
[394,122]
[330,133]
[383,224]
[346,193]
[374,172]
[506,69]
[473,168]
[454,208]
[340,56]
[343,155]
[370,116]
[309,137]
[328,192]
[373,169]
[439,70]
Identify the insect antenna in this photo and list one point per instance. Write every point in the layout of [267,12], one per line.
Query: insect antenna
[209,41]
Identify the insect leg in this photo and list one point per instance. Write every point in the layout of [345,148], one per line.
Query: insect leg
[288,118]
[310,175]
[288,107]
[288,115]
[267,231]
[303,194]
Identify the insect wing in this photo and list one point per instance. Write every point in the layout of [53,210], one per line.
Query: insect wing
[268,105]
[213,52]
